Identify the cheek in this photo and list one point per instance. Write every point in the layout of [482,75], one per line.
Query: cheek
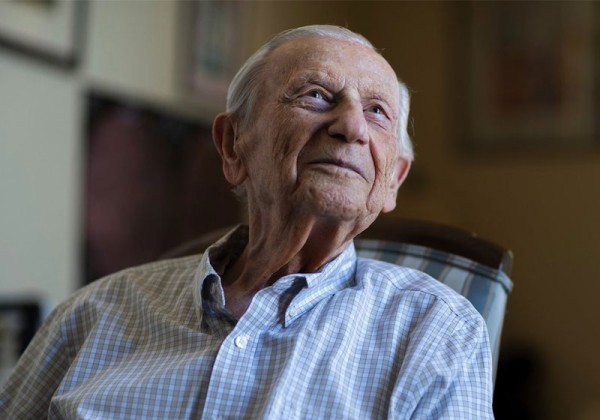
[290,133]
[384,155]
[273,147]
[284,147]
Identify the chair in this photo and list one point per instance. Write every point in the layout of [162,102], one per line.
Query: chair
[472,266]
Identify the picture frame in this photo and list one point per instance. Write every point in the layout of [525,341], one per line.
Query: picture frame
[47,30]
[20,318]
[530,82]
[214,43]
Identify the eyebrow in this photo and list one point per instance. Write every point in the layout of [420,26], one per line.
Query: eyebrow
[313,78]
[297,82]
[385,99]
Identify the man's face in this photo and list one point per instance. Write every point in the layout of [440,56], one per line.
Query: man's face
[323,134]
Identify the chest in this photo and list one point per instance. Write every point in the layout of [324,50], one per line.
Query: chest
[312,369]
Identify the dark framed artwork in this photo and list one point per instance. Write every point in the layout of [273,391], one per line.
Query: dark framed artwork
[20,318]
[49,30]
[531,75]
[153,181]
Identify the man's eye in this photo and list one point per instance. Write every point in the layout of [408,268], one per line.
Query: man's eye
[316,95]
[376,109]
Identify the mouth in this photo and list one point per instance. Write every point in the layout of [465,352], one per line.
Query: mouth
[348,166]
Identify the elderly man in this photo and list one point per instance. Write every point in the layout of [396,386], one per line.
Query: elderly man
[278,319]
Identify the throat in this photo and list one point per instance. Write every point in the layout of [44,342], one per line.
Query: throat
[237,304]
[279,250]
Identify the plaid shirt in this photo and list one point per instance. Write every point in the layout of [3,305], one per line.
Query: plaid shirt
[360,339]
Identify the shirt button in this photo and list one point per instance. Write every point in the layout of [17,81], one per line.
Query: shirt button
[241,341]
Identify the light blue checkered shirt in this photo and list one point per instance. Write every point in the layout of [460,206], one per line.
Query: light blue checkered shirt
[360,339]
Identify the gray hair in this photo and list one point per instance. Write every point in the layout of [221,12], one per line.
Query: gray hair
[244,88]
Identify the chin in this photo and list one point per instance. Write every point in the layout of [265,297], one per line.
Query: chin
[336,204]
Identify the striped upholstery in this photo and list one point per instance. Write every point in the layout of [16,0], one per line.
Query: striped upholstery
[486,288]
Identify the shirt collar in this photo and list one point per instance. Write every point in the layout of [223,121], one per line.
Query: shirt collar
[213,263]
[334,276]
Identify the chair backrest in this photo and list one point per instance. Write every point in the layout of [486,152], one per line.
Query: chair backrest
[442,237]
[472,266]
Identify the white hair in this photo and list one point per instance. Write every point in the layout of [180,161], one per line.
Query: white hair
[244,88]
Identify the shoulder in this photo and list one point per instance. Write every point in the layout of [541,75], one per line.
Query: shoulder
[155,275]
[155,284]
[102,314]
[413,288]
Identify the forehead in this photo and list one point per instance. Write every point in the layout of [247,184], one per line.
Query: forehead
[344,63]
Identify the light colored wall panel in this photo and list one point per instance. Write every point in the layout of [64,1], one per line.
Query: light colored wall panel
[40,117]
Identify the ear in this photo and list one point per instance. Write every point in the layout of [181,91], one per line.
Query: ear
[402,166]
[225,132]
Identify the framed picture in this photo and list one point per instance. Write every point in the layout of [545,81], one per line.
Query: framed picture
[214,44]
[46,29]
[531,75]
[19,320]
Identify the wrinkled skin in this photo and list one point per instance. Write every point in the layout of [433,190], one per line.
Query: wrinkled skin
[319,159]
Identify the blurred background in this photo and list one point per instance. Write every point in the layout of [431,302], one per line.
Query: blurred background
[106,157]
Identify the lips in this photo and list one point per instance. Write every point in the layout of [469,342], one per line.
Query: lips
[339,163]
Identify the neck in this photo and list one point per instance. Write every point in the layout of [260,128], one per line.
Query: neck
[277,248]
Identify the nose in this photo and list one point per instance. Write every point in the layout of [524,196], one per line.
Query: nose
[349,123]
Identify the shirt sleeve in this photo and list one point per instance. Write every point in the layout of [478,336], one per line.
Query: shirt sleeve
[453,379]
[27,392]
